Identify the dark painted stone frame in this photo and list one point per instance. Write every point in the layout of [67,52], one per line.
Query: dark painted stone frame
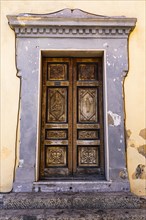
[71,33]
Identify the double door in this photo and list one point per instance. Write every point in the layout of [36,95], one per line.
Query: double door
[71,119]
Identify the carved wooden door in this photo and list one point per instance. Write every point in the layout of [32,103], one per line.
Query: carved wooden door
[71,119]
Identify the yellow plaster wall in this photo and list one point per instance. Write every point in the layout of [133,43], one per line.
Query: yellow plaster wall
[134,82]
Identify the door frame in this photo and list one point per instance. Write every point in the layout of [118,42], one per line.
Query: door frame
[72,30]
[90,53]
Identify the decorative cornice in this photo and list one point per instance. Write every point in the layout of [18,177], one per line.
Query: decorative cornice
[71,23]
[71,31]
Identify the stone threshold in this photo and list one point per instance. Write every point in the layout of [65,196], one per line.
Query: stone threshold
[80,186]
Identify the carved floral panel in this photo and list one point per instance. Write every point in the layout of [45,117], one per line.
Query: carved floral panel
[87,156]
[57,72]
[56,134]
[56,156]
[87,134]
[87,71]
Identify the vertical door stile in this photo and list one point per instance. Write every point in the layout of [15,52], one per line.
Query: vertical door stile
[101,118]
[70,118]
[74,103]
[43,110]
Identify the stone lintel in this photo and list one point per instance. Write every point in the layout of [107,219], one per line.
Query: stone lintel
[79,24]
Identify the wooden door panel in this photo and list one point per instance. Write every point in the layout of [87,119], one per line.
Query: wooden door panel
[88,134]
[56,105]
[88,156]
[87,71]
[56,156]
[88,143]
[56,134]
[57,71]
[72,124]
[87,105]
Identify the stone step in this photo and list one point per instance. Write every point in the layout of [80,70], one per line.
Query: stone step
[71,214]
[71,201]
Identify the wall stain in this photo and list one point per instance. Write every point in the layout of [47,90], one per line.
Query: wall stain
[132,145]
[5,152]
[142,150]
[130,142]
[123,174]
[142,133]
[140,172]
[128,133]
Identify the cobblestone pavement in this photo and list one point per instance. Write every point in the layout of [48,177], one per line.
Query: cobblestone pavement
[72,206]
[57,214]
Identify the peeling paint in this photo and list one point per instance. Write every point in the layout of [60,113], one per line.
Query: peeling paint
[140,172]
[114,119]
[142,133]
[21,22]
[34,70]
[21,162]
[142,150]
[105,44]
[110,120]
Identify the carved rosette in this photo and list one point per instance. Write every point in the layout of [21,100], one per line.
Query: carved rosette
[88,156]
[56,156]
[87,72]
[57,72]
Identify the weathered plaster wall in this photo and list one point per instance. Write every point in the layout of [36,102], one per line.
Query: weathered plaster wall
[134,83]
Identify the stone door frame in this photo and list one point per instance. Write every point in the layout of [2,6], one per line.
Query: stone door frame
[71,33]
